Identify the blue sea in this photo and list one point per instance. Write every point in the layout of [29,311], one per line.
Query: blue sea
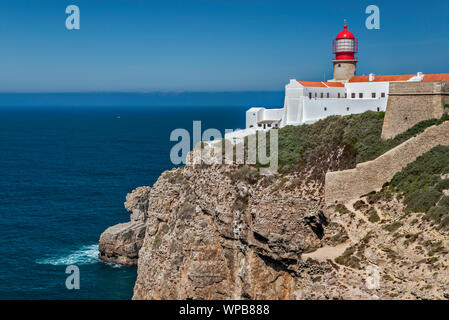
[64,175]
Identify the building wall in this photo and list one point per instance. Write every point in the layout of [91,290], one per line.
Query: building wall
[372,175]
[316,109]
[413,102]
[253,116]
[367,88]
[344,69]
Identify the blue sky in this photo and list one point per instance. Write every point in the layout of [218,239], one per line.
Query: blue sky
[208,45]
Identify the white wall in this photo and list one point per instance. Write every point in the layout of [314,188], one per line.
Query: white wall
[315,109]
[367,88]
[299,108]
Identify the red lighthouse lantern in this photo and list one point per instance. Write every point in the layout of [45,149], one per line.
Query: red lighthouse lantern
[345,63]
[345,45]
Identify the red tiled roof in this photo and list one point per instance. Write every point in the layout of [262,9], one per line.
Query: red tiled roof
[312,84]
[334,84]
[377,78]
[320,84]
[404,77]
[436,77]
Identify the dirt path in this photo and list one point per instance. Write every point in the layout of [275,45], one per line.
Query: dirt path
[327,252]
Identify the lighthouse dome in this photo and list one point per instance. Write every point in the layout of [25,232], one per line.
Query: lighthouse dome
[345,34]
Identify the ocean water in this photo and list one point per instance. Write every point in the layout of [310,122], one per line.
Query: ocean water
[64,175]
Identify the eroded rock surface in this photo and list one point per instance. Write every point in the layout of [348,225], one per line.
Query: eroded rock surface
[121,243]
[221,232]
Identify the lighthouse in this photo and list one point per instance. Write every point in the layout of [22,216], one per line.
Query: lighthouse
[345,46]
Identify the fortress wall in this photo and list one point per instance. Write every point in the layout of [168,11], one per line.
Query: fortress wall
[372,175]
[413,102]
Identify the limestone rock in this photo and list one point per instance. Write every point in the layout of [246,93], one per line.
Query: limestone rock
[121,243]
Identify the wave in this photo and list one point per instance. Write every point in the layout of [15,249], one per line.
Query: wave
[87,254]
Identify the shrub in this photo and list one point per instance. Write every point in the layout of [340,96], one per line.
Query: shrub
[373,216]
[348,259]
[360,204]
[444,225]
[245,173]
[393,226]
[341,208]
[436,214]
[442,185]
[444,202]
[424,172]
[422,201]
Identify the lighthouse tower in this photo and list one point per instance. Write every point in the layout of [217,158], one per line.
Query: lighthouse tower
[345,47]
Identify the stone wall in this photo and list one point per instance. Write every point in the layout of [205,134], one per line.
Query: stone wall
[372,175]
[344,69]
[413,102]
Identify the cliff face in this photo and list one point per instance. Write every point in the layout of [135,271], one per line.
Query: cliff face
[121,243]
[211,236]
[223,232]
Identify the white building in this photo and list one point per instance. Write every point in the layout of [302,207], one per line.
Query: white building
[309,101]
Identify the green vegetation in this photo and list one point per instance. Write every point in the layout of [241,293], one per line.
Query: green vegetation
[393,226]
[373,216]
[341,208]
[348,259]
[421,186]
[360,204]
[358,136]
[245,173]
[334,143]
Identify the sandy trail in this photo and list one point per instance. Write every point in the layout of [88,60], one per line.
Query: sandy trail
[327,252]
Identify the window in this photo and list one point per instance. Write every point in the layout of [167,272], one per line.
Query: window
[322,95]
[251,126]
[346,95]
[382,94]
[328,95]
[373,95]
[347,108]
[378,109]
[344,45]
[316,94]
[325,109]
[361,95]
[269,125]
[353,95]
[259,125]
[339,95]
[310,95]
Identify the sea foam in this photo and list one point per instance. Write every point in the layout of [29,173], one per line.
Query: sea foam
[87,254]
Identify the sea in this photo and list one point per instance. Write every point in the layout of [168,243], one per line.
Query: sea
[64,175]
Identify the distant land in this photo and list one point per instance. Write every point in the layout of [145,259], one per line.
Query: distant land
[249,98]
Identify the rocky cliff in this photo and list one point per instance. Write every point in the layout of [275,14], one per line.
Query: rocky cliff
[224,232]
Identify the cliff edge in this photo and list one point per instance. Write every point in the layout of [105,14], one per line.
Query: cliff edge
[225,232]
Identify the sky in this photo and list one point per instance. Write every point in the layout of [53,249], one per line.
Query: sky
[209,45]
